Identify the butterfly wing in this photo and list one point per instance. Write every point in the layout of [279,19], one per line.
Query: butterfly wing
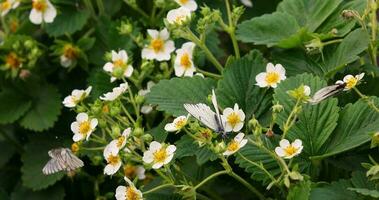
[54,165]
[204,114]
[326,92]
[219,119]
[72,161]
[61,159]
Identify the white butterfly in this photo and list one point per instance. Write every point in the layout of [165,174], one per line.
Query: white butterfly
[327,92]
[205,115]
[62,159]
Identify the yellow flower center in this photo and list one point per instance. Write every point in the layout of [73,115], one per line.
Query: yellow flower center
[6,5]
[12,60]
[120,141]
[180,123]
[290,150]
[118,63]
[185,61]
[233,119]
[105,109]
[160,155]
[131,194]
[130,171]
[74,147]
[157,45]
[233,146]
[180,18]
[351,82]
[183,1]
[272,78]
[40,5]
[69,51]
[113,160]
[84,127]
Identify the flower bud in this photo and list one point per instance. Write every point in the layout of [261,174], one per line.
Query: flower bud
[277,108]
[114,110]
[138,132]
[102,123]
[108,56]
[139,99]
[28,44]
[375,140]
[116,130]
[270,133]
[220,147]
[254,123]
[75,147]
[97,160]
[147,138]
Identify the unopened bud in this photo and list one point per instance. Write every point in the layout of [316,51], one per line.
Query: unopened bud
[75,147]
[138,132]
[147,138]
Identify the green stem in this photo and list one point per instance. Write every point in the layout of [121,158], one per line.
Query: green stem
[257,165]
[137,9]
[247,185]
[231,30]
[158,188]
[374,26]
[208,53]
[210,74]
[127,114]
[210,178]
[92,148]
[100,5]
[291,119]
[369,101]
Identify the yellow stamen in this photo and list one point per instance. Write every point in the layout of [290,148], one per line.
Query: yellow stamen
[113,160]
[12,60]
[84,127]
[157,45]
[70,51]
[183,1]
[120,141]
[40,5]
[233,146]
[74,147]
[160,156]
[351,82]
[272,78]
[131,194]
[233,119]
[118,63]
[180,123]
[6,5]
[290,150]
[185,61]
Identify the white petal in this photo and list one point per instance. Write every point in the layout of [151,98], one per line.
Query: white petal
[148,157]
[179,71]
[115,56]
[170,127]
[153,33]
[239,137]
[348,77]
[108,67]
[35,17]
[280,152]
[238,127]
[360,76]
[50,13]
[284,143]
[81,117]
[243,143]
[120,193]
[146,109]
[191,5]
[307,90]
[129,71]
[261,79]
[164,34]
[227,112]
[94,123]
[282,72]
[157,165]
[270,67]
[123,55]
[297,143]
[154,146]
[148,54]
[171,149]
[77,137]
[75,127]
[168,159]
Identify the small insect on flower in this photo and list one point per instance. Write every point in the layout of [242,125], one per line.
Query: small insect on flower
[113,159]
[42,11]
[327,92]
[128,193]
[160,47]
[183,61]
[177,124]
[351,81]
[158,154]
[191,5]
[287,150]
[236,144]
[83,127]
[234,118]
[119,66]
[116,92]
[62,159]
[179,16]
[205,115]
[76,97]
[272,76]
[7,5]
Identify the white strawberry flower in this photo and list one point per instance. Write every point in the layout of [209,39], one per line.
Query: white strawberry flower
[116,92]
[178,16]
[158,154]
[191,5]
[236,144]
[351,81]
[113,159]
[183,62]
[272,76]
[76,97]
[83,127]
[119,62]
[132,171]
[288,150]
[128,193]
[160,47]
[177,124]
[146,109]
[120,142]
[8,5]
[42,11]
[234,118]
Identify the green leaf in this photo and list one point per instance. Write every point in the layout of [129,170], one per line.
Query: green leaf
[13,105]
[238,85]
[100,82]
[334,191]
[262,159]
[309,14]
[337,22]
[7,151]
[159,133]
[34,159]
[355,124]
[186,146]
[315,123]
[352,45]
[297,62]
[301,191]
[53,193]
[170,95]
[68,21]
[366,192]
[268,29]
[46,107]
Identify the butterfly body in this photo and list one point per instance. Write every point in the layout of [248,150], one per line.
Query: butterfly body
[327,92]
[62,159]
